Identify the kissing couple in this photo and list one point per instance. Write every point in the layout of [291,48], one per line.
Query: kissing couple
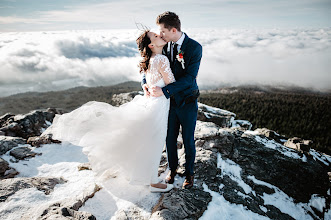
[129,139]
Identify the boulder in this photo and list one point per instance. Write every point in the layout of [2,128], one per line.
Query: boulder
[299,144]
[244,124]
[44,139]
[182,204]
[8,143]
[218,116]
[21,153]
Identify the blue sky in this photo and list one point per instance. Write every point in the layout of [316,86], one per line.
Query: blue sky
[43,15]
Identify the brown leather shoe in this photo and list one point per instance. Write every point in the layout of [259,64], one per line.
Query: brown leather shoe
[171,177]
[188,183]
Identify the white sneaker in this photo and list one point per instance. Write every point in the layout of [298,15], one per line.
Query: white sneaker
[154,189]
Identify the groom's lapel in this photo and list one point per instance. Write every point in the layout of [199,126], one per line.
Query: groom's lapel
[183,47]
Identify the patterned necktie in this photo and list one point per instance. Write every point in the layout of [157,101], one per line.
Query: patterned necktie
[174,54]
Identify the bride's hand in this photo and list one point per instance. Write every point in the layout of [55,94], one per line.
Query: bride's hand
[146,92]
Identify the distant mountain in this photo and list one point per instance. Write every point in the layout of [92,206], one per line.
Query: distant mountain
[66,99]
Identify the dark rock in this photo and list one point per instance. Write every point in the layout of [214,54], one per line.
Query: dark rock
[10,173]
[22,152]
[4,166]
[44,139]
[9,187]
[182,204]
[8,143]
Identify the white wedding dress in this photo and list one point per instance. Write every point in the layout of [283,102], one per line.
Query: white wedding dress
[129,138]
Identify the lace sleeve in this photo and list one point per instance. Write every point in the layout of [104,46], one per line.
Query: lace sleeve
[165,70]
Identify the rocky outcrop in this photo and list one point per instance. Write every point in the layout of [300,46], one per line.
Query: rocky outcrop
[244,167]
[9,187]
[28,125]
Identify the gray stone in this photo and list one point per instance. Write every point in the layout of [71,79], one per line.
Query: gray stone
[21,153]
[120,99]
[8,143]
[44,139]
[84,166]
[206,130]
[299,144]
[218,116]
[9,187]
[271,135]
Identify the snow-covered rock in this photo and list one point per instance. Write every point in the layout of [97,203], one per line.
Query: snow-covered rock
[28,125]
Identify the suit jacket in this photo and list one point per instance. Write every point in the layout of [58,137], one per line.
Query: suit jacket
[185,86]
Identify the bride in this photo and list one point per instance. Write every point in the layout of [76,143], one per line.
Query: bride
[129,138]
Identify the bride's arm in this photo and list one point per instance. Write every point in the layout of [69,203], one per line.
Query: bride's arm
[165,70]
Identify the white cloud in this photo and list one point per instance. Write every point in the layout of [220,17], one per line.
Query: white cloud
[41,61]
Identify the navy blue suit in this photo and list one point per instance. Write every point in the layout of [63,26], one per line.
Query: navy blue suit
[183,103]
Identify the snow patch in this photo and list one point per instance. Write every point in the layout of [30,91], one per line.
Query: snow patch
[233,170]
[219,206]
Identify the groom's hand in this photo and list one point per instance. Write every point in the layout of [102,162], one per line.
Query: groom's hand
[156,91]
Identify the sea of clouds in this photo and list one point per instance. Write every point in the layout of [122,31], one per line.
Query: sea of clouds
[44,61]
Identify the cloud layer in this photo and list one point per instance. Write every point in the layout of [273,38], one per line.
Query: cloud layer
[42,61]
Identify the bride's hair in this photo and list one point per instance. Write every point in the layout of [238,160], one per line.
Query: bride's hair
[143,41]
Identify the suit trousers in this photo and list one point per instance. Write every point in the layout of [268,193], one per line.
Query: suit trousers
[185,116]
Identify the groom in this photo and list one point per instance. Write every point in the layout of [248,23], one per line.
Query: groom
[184,55]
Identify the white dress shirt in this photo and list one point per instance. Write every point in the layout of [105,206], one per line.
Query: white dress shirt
[179,42]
